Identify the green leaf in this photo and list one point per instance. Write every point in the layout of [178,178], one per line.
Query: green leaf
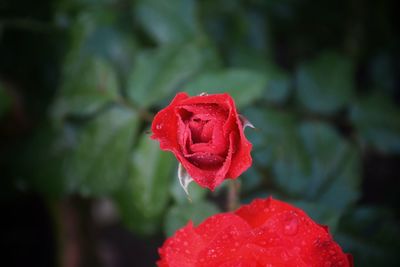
[171,21]
[279,85]
[243,85]
[109,43]
[99,161]
[279,148]
[274,136]
[371,235]
[143,197]
[86,87]
[179,215]
[278,152]
[251,180]
[335,166]
[291,165]
[158,73]
[325,84]
[99,33]
[344,181]
[376,119]
[44,158]
[66,159]
[382,72]
[309,160]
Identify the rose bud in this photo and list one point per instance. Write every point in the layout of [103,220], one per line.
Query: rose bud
[205,133]
[266,232]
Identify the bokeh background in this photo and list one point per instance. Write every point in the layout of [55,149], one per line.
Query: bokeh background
[82,184]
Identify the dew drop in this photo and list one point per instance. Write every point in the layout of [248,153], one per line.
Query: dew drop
[291,226]
[327,264]
[284,256]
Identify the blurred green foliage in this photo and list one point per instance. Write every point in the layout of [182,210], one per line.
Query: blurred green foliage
[316,85]
[5,101]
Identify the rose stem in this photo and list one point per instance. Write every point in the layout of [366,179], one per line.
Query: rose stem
[233,195]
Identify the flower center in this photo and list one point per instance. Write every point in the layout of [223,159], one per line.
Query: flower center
[202,137]
[201,130]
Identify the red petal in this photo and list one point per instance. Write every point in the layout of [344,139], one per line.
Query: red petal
[280,225]
[280,236]
[221,99]
[204,177]
[165,124]
[206,160]
[257,212]
[226,242]
[241,159]
[214,225]
[350,260]
[181,249]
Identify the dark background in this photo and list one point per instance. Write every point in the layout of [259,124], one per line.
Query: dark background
[81,184]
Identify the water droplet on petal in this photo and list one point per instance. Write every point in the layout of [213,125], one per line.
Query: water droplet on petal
[291,226]
[284,256]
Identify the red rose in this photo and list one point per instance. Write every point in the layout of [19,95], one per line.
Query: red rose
[264,233]
[206,135]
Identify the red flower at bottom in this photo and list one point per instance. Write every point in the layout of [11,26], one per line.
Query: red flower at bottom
[267,232]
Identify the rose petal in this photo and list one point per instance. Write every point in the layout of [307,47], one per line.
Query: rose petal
[191,127]
[181,249]
[279,225]
[224,100]
[239,263]
[164,126]
[224,244]
[215,225]
[208,161]
[204,177]
[241,159]
[271,256]
[282,236]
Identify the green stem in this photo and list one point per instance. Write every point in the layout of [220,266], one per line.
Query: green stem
[233,195]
